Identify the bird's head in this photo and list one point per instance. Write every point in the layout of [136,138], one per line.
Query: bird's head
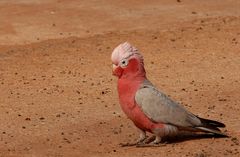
[127,61]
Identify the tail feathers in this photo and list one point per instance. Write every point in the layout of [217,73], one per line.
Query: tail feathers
[211,126]
[211,123]
[215,131]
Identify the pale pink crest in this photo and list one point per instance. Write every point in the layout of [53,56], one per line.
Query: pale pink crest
[125,50]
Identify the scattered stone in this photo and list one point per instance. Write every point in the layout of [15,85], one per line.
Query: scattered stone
[58,115]
[28,119]
[222,99]
[235,140]
[41,118]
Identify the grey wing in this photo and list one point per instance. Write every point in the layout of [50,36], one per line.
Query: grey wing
[160,108]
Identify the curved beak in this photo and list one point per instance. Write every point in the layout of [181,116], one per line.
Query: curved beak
[114,69]
[117,71]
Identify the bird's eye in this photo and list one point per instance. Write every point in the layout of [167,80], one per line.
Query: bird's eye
[124,63]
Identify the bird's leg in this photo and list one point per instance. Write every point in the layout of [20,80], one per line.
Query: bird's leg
[142,136]
[140,140]
[157,140]
[155,143]
[150,139]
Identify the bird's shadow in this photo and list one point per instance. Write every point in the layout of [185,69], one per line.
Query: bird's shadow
[181,137]
[188,137]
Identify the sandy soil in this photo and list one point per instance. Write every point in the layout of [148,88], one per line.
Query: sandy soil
[58,97]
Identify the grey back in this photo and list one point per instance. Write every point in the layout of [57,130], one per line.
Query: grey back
[160,108]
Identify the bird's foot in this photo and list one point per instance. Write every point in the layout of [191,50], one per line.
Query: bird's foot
[149,140]
[153,141]
[128,144]
[150,145]
[141,140]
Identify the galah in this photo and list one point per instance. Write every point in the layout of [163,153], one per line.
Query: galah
[149,108]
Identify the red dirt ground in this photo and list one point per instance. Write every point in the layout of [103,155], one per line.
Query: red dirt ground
[58,97]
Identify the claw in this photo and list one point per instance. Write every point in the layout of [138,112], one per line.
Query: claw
[150,145]
[127,144]
[149,140]
[130,144]
[141,139]
[139,142]
[153,141]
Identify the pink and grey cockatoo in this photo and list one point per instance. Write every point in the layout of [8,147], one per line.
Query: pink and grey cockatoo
[150,109]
